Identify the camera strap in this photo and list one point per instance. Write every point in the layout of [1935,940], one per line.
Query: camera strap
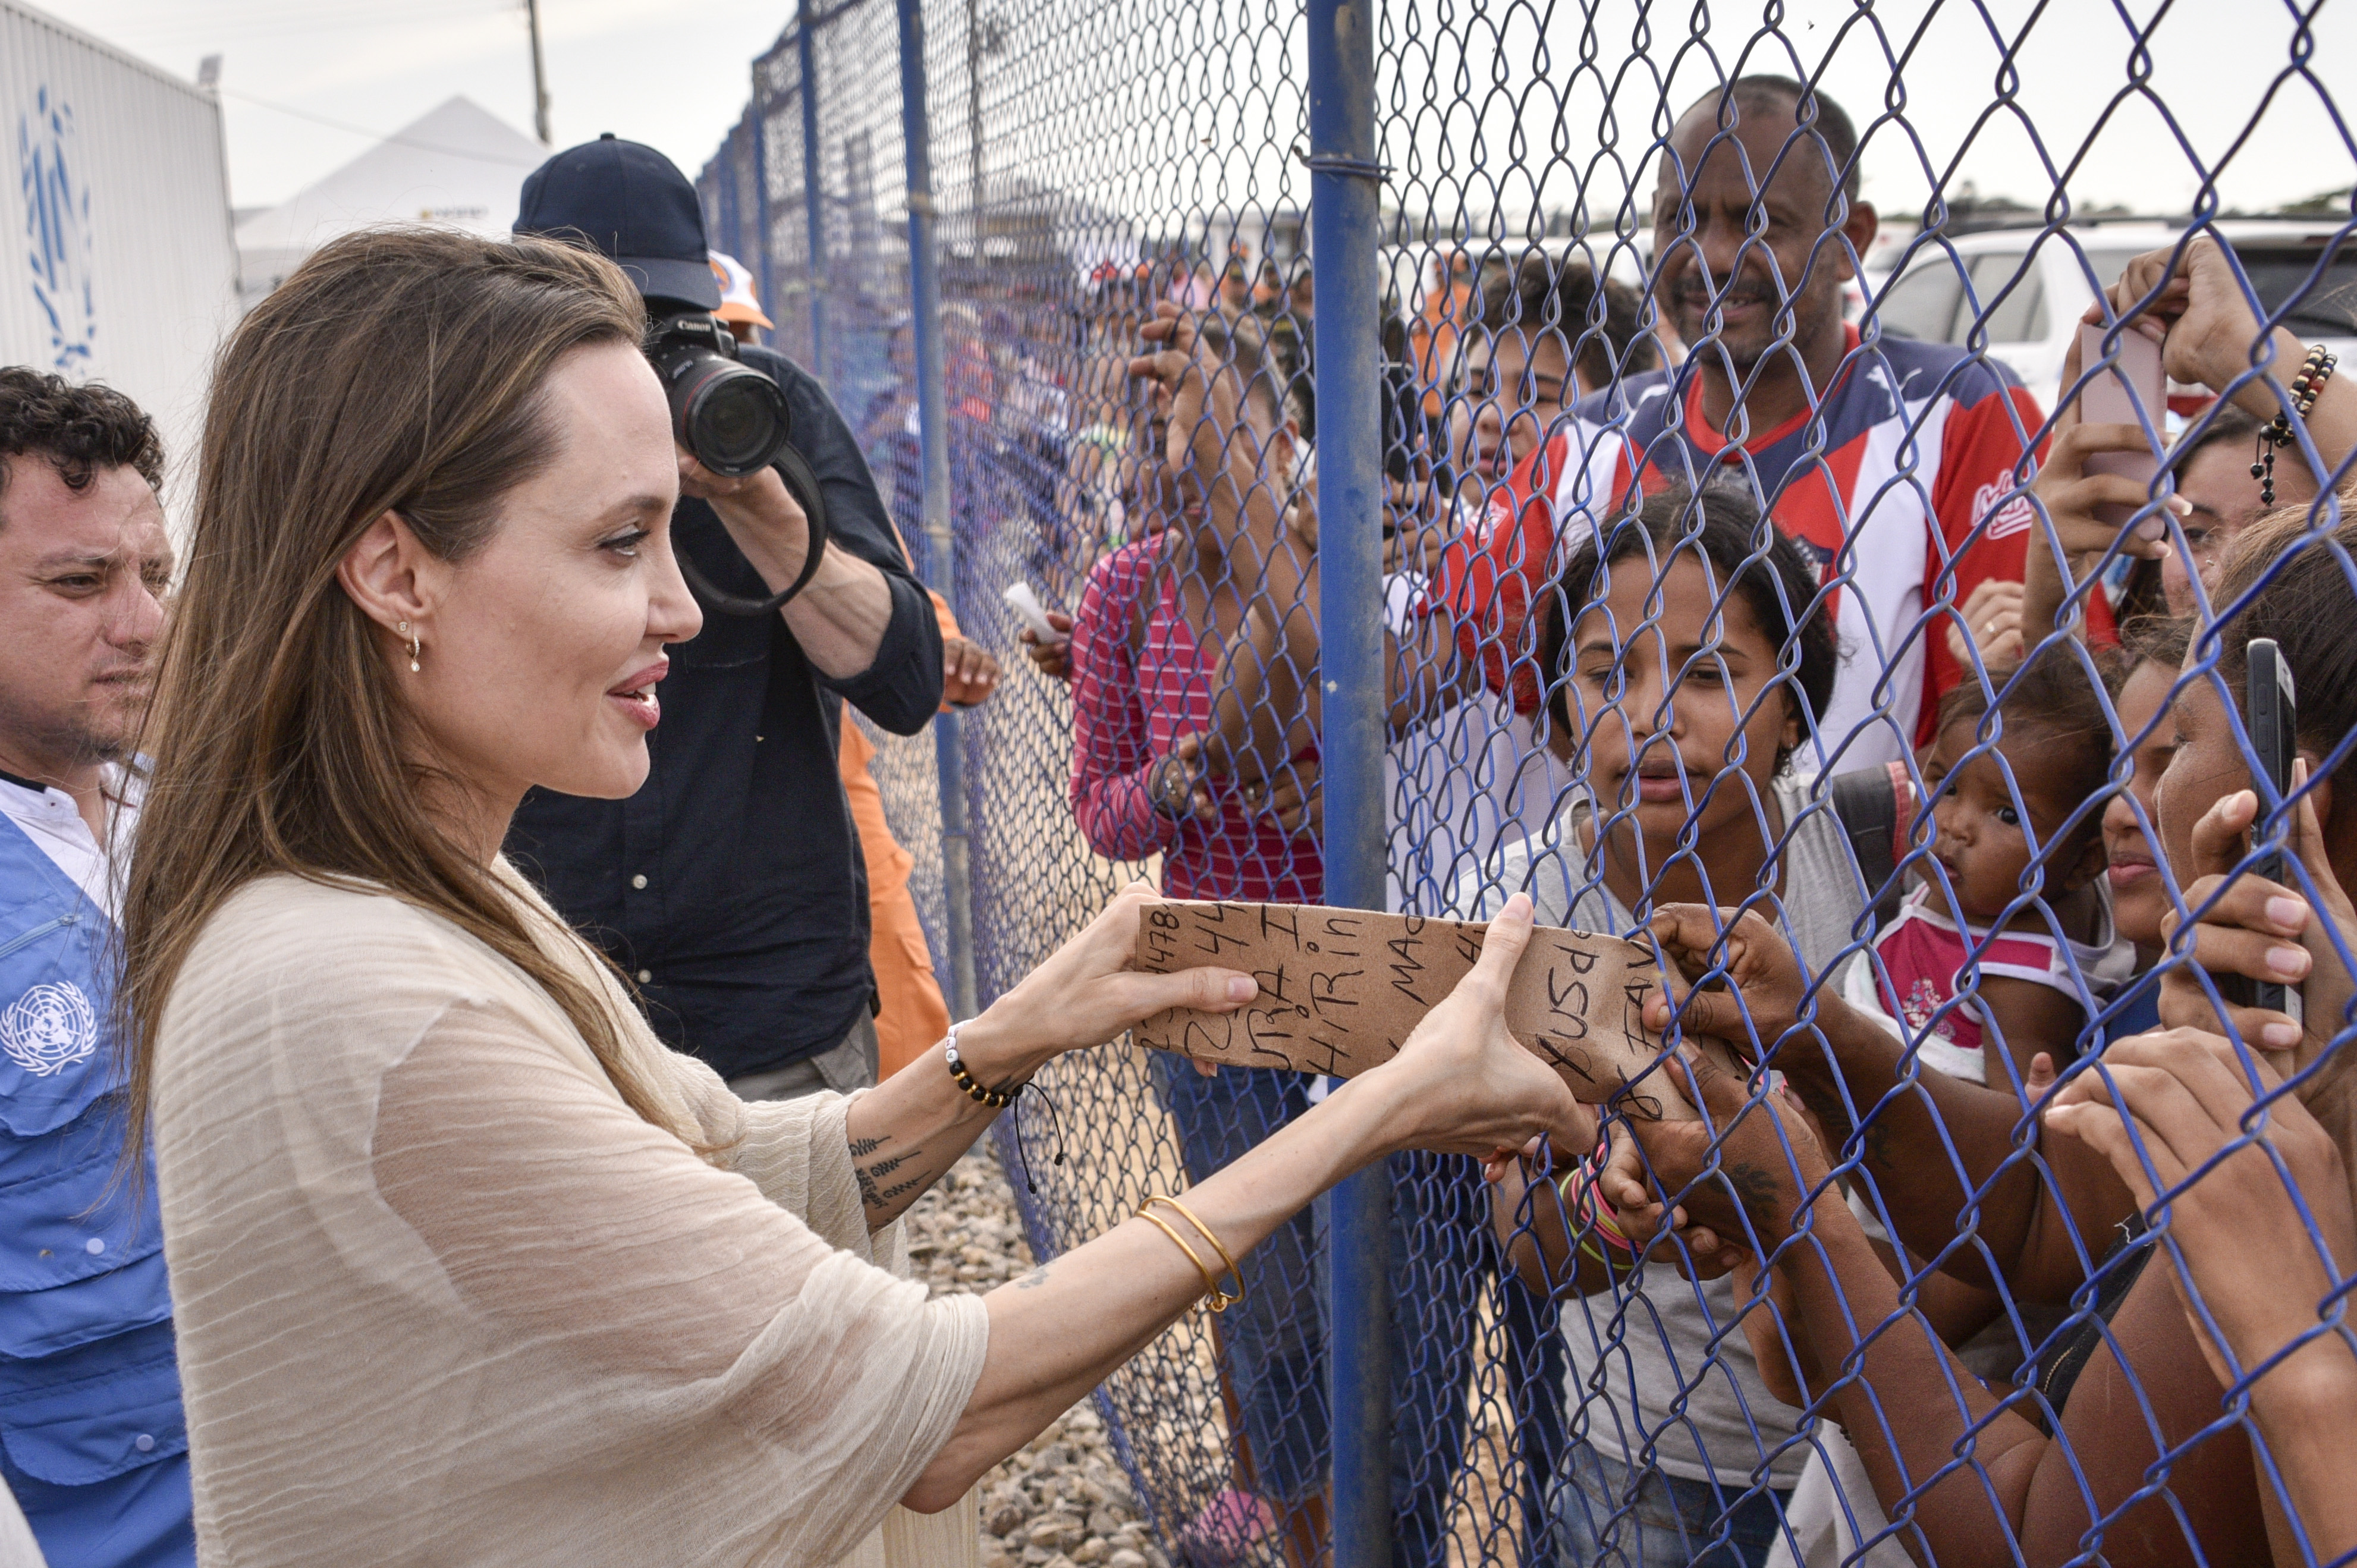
[802,484]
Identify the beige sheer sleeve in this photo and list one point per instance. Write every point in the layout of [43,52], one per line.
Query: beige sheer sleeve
[675,1363]
[796,1151]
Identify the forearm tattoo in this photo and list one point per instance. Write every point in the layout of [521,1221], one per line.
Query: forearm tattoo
[870,1177]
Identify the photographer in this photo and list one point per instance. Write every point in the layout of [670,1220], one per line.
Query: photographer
[731,888]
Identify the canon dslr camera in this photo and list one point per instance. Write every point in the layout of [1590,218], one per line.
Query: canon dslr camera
[729,414]
[734,420]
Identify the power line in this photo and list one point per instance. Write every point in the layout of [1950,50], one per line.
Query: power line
[378,135]
[216,27]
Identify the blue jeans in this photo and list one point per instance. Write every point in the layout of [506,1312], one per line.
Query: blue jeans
[1273,1344]
[1669,1522]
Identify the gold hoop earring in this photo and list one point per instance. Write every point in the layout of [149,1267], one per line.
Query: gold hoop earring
[404,629]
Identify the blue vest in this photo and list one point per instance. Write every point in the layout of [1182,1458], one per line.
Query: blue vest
[89,1389]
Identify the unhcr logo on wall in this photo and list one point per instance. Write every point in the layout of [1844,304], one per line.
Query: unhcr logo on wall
[57,233]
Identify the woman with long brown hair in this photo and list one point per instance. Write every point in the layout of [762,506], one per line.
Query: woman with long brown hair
[468,1267]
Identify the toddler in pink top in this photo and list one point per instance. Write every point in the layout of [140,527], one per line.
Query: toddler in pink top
[1978,966]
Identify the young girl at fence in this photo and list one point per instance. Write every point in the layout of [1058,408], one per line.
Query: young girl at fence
[1444,1257]
[1665,646]
[2176,1483]
[1239,750]
[1148,644]
[1976,971]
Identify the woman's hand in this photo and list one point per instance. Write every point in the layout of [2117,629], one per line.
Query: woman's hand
[1293,798]
[2201,319]
[969,674]
[1765,987]
[2070,496]
[1053,659]
[1178,782]
[1698,1252]
[2263,931]
[2179,1100]
[1200,400]
[1462,1084]
[1993,611]
[1086,992]
[1748,1166]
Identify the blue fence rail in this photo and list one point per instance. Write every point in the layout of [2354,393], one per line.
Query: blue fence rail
[1581,487]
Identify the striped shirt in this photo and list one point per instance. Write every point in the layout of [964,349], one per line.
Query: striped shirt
[1901,482]
[1141,678]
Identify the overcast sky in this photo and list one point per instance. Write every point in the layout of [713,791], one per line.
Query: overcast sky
[675,75]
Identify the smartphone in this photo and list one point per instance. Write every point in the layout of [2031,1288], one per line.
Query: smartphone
[2271,710]
[1028,609]
[2132,391]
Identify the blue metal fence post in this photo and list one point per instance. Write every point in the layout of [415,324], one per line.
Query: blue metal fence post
[933,438]
[764,243]
[814,194]
[1344,185]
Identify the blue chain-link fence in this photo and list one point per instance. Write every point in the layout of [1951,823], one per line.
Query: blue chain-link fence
[1705,514]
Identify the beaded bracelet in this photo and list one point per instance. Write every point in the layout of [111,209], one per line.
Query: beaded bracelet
[996,1098]
[2306,388]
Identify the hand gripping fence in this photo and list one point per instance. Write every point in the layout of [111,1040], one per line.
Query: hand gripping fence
[1641,454]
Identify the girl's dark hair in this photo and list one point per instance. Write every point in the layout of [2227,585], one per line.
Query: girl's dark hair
[2053,702]
[1757,564]
[2153,639]
[2306,603]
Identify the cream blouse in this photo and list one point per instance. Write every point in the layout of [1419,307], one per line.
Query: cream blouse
[442,1298]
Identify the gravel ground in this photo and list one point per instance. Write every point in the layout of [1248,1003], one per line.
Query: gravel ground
[1062,1503]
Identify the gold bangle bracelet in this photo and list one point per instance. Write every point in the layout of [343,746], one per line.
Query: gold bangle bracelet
[1220,1300]
[1225,1257]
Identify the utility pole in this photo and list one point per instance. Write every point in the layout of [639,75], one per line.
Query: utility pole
[539,77]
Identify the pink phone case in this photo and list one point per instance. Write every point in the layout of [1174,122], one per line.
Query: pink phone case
[2114,397]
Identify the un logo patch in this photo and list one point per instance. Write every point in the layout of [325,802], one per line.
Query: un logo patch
[49,1028]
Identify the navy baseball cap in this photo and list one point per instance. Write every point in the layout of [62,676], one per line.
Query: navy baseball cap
[633,204]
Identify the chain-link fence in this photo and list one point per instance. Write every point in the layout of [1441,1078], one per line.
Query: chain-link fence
[1726,550]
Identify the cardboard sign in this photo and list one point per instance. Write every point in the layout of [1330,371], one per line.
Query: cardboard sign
[1340,990]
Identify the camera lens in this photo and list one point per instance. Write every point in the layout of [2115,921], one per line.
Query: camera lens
[733,418]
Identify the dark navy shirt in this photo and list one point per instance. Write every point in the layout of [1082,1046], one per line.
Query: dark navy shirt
[731,888]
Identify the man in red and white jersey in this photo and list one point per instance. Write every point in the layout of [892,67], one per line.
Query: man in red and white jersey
[1898,464]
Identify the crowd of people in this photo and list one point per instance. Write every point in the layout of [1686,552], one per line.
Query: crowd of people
[1816,655]
[468,1044]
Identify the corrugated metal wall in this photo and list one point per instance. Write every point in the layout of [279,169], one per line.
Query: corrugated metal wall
[116,262]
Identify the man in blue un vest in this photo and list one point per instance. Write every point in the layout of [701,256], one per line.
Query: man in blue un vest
[92,1442]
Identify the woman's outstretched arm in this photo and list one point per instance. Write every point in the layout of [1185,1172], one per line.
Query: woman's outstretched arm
[914,1126]
[1461,1084]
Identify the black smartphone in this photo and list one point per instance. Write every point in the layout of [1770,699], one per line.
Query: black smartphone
[2271,710]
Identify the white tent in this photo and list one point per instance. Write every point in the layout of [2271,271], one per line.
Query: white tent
[459,164]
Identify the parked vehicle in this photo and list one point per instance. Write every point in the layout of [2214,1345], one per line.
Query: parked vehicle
[2018,293]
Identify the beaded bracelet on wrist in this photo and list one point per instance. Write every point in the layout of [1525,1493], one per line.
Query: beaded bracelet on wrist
[2306,388]
[996,1098]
